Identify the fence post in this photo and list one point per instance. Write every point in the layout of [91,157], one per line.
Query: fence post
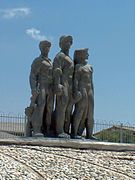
[25,124]
[121,133]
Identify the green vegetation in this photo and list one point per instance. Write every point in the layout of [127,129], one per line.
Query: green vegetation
[114,135]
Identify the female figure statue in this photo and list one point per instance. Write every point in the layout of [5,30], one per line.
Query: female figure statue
[83,88]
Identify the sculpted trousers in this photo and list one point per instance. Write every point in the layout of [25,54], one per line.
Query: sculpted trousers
[83,115]
[45,99]
[90,116]
[63,110]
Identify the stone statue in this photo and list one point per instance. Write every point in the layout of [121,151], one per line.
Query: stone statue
[83,88]
[63,68]
[70,84]
[41,84]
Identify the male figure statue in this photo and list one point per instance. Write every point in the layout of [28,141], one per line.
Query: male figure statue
[41,89]
[63,72]
[83,85]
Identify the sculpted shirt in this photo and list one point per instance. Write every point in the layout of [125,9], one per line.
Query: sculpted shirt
[83,77]
[41,72]
[63,70]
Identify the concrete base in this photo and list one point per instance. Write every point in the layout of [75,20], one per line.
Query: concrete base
[69,143]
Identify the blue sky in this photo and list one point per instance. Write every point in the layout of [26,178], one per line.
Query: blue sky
[106,27]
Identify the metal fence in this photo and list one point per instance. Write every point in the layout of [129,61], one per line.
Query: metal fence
[12,126]
[15,126]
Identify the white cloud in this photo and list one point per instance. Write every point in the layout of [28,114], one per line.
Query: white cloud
[35,34]
[14,12]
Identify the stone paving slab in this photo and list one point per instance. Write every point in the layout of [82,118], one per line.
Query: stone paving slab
[69,143]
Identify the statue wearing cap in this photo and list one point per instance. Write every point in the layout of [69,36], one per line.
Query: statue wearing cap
[63,69]
[41,88]
[83,88]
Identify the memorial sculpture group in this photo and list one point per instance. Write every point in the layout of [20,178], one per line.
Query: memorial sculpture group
[62,101]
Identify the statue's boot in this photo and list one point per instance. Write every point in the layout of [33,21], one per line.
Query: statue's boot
[64,135]
[76,137]
[38,135]
[92,138]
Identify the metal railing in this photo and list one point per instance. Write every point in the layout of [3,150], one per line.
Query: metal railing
[12,126]
[15,126]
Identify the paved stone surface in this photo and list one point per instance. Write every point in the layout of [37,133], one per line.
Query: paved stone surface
[37,163]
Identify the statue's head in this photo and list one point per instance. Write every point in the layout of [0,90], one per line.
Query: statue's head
[44,46]
[65,42]
[81,56]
